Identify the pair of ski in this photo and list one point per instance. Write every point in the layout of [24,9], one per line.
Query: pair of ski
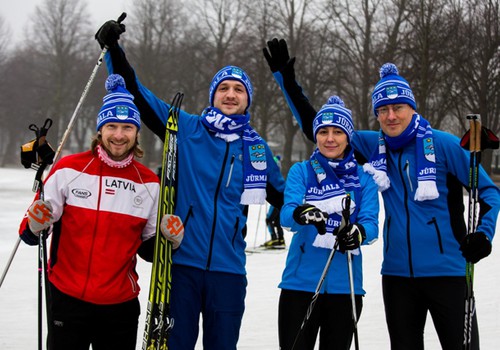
[158,320]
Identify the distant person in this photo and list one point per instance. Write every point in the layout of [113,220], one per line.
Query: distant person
[223,166]
[273,223]
[315,195]
[421,173]
[101,206]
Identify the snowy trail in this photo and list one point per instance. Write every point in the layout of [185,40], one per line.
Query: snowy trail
[18,294]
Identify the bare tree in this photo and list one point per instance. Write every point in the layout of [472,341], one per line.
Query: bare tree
[153,45]
[59,33]
[477,65]
[5,34]
[221,21]
[427,55]
[4,120]
[291,20]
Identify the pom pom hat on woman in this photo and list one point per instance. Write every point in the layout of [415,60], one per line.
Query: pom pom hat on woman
[334,113]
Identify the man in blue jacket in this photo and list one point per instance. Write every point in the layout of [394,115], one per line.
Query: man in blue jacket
[421,173]
[223,166]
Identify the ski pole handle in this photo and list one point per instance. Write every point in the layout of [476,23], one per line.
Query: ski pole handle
[475,132]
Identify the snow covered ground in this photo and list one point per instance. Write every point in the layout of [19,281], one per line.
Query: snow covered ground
[18,294]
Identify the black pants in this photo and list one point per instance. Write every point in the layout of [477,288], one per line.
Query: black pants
[407,301]
[331,316]
[274,224]
[77,324]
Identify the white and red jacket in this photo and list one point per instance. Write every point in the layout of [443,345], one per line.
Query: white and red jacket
[102,215]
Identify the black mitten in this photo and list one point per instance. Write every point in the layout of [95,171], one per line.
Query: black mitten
[475,246]
[109,33]
[307,214]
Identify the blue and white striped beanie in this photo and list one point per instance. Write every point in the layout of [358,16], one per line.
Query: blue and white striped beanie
[334,113]
[118,104]
[230,73]
[391,89]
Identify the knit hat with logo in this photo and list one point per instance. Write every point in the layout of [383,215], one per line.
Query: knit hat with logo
[118,105]
[391,89]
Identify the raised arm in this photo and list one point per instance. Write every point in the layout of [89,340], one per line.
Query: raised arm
[153,110]
[282,67]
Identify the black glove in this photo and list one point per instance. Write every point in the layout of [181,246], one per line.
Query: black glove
[278,58]
[307,214]
[475,246]
[350,237]
[109,33]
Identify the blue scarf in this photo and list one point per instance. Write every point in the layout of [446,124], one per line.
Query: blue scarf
[231,128]
[418,129]
[328,181]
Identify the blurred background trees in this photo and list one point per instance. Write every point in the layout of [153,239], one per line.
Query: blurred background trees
[447,49]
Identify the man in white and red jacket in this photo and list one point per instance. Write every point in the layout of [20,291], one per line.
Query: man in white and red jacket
[101,206]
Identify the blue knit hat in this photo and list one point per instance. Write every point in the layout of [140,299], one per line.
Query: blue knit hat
[230,73]
[391,89]
[118,104]
[334,113]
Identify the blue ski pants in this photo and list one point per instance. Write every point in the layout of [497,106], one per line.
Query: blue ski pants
[219,297]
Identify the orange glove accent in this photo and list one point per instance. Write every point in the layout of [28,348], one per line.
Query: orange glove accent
[172,229]
[40,216]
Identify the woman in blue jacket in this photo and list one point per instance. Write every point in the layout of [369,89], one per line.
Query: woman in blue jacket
[314,199]
[223,166]
[421,173]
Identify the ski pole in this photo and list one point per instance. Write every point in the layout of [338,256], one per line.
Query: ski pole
[344,222]
[67,132]
[353,300]
[476,139]
[475,158]
[84,94]
[257,227]
[36,154]
[10,260]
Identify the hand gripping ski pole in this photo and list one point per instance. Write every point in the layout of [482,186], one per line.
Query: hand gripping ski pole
[344,222]
[36,154]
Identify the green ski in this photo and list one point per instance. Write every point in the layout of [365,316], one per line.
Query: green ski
[158,320]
